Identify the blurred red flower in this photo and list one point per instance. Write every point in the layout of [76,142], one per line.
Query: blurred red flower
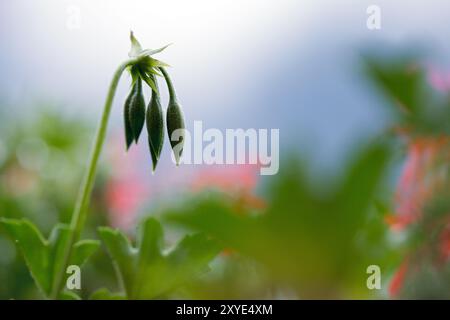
[124,198]
[397,281]
[425,175]
[445,243]
[237,181]
[126,190]
[439,80]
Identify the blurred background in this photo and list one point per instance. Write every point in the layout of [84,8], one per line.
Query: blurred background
[309,68]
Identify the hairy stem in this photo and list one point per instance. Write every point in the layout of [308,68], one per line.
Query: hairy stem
[82,203]
[172,93]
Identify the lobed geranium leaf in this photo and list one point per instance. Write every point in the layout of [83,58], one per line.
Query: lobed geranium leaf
[145,272]
[122,254]
[45,258]
[190,257]
[33,247]
[82,250]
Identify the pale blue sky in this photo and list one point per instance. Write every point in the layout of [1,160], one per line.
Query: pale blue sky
[283,64]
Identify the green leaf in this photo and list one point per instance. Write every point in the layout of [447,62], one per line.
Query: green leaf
[82,250]
[45,258]
[362,179]
[68,295]
[122,254]
[144,271]
[193,253]
[105,294]
[400,79]
[310,238]
[33,247]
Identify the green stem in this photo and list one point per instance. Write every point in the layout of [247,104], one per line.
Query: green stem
[80,210]
[172,93]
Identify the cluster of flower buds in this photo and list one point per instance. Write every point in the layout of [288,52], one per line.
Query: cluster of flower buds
[146,69]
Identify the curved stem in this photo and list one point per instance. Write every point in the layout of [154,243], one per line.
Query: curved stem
[81,205]
[172,93]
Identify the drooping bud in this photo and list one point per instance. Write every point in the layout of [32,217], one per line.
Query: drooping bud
[129,137]
[155,125]
[175,120]
[137,110]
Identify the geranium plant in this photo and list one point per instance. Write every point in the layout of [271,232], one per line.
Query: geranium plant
[143,271]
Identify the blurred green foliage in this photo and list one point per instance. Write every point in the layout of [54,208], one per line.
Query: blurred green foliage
[41,161]
[402,79]
[317,242]
[315,238]
[42,164]
[309,242]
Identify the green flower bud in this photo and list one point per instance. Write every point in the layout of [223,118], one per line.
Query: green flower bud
[137,110]
[175,120]
[134,113]
[129,137]
[155,125]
